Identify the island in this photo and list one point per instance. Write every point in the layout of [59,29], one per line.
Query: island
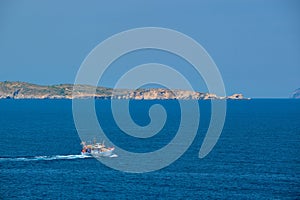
[296,94]
[23,90]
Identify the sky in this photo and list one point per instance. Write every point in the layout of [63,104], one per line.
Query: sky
[254,43]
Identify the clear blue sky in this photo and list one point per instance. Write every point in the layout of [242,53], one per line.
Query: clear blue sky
[255,43]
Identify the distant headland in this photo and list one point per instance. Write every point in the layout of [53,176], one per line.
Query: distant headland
[23,90]
[296,94]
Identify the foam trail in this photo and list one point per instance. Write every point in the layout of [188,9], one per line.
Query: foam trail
[38,158]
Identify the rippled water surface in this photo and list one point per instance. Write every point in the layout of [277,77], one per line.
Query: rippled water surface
[256,157]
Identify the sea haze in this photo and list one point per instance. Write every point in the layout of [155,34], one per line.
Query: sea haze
[256,157]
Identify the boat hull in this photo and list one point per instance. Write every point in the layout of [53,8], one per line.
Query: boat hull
[96,153]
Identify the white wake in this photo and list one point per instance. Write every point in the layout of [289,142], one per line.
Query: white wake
[38,158]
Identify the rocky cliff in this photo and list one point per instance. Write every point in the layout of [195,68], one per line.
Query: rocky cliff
[22,90]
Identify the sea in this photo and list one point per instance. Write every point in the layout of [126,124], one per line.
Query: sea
[256,157]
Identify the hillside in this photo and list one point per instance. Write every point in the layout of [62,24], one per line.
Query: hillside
[23,90]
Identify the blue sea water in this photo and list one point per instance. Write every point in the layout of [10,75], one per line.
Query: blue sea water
[256,157]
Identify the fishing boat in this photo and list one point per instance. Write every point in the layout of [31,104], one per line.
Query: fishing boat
[97,150]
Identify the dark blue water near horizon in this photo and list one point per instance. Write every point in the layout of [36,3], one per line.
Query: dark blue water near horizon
[256,157]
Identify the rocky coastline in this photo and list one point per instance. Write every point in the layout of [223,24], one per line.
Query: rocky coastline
[23,90]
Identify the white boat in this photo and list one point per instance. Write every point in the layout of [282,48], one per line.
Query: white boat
[97,150]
